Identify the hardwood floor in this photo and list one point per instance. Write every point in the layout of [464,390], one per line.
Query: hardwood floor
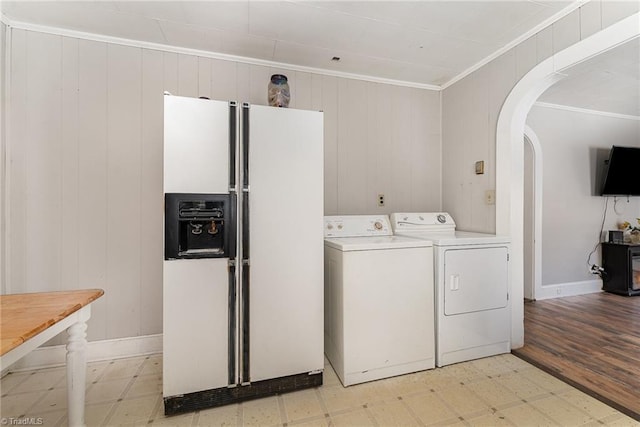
[590,341]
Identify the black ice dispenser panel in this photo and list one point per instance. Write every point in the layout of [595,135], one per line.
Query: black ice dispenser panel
[198,226]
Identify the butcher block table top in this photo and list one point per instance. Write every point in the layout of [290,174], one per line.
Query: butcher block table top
[23,316]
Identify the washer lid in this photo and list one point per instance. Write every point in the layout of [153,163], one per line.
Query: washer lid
[346,244]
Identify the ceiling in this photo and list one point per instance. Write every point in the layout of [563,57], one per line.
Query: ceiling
[421,43]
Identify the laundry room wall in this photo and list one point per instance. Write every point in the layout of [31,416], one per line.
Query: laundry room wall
[471,106]
[572,210]
[84,189]
[3,127]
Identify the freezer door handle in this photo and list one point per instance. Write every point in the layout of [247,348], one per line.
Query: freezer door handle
[233,126]
[245,146]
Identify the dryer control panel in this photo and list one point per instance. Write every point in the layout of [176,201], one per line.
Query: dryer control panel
[423,221]
[357,226]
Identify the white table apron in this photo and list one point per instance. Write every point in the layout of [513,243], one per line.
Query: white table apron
[76,326]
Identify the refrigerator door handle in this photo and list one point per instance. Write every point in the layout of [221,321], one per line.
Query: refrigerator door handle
[245,227]
[243,252]
[233,316]
[244,327]
[245,376]
[245,146]
[233,226]
[233,129]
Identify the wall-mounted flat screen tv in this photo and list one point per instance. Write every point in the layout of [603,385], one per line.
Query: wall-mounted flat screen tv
[622,172]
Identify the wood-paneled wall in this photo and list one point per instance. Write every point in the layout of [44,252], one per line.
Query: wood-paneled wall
[85,161]
[471,108]
[3,151]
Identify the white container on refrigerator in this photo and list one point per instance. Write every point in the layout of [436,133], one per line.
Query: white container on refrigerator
[472,286]
[249,324]
[379,313]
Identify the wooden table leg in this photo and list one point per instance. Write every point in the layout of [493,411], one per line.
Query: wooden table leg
[77,369]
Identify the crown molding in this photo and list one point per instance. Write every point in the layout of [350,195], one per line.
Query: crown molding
[206,54]
[253,61]
[586,111]
[535,30]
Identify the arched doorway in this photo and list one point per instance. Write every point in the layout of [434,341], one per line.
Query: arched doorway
[532,218]
[510,148]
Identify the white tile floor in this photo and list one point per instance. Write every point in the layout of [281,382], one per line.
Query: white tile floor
[496,391]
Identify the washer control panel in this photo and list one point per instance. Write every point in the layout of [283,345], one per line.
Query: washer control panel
[357,226]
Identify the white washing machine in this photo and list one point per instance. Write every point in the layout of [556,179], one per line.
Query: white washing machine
[473,312]
[379,300]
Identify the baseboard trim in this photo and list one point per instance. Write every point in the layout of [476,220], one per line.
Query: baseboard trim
[47,357]
[559,290]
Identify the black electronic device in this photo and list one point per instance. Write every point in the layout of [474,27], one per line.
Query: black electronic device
[621,262]
[622,172]
[616,236]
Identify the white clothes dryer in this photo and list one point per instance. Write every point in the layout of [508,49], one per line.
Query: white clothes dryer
[379,300]
[473,312]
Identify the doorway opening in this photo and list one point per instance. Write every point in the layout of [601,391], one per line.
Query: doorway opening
[532,219]
[510,147]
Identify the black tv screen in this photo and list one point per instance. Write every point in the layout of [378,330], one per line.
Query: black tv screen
[622,172]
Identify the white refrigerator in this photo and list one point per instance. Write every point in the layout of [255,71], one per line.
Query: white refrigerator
[243,268]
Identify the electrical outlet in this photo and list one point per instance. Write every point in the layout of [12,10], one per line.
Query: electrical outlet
[490,197]
[380,199]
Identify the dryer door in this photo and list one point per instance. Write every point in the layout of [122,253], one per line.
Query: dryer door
[475,279]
